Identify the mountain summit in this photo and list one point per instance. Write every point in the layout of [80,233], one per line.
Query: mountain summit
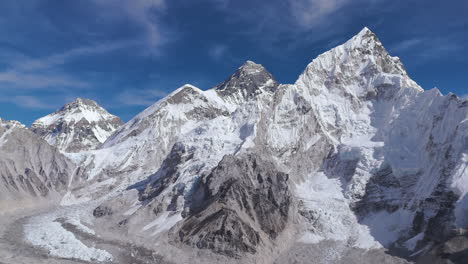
[250,79]
[77,126]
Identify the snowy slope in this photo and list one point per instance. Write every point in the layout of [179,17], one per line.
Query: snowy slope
[77,126]
[361,155]
[396,147]
[137,149]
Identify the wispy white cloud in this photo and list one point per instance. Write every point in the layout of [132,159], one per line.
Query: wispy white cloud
[140,97]
[45,72]
[31,102]
[38,81]
[216,52]
[406,45]
[142,12]
[26,101]
[310,13]
[62,58]
[426,48]
[291,24]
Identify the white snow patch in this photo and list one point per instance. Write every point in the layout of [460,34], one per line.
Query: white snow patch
[70,199]
[133,209]
[43,231]
[333,219]
[77,223]
[163,222]
[3,138]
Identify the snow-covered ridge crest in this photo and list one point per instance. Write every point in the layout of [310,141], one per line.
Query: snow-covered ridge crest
[181,101]
[137,149]
[11,123]
[77,126]
[362,64]
[6,127]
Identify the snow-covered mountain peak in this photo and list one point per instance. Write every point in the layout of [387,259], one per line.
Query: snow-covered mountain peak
[187,103]
[82,102]
[251,66]
[361,67]
[246,82]
[365,38]
[10,123]
[78,125]
[365,32]
[75,111]
[138,148]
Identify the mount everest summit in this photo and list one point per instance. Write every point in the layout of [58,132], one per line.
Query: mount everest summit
[353,163]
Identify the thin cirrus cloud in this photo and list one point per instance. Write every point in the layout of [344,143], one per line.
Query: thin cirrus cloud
[406,45]
[34,75]
[137,97]
[287,25]
[38,81]
[141,12]
[26,101]
[45,74]
[425,49]
[62,58]
[310,13]
[217,52]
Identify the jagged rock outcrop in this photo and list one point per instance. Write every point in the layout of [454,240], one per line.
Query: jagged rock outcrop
[242,203]
[77,126]
[246,83]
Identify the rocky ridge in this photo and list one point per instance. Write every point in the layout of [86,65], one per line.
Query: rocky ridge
[31,170]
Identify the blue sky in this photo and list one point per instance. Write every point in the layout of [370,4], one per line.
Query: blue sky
[126,54]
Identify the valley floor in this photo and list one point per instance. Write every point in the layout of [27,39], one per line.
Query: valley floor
[15,250]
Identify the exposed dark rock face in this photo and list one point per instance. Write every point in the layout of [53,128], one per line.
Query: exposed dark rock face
[433,217]
[101,211]
[167,174]
[222,231]
[453,250]
[248,81]
[383,192]
[239,205]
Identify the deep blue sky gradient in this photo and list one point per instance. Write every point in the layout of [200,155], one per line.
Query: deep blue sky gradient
[126,54]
